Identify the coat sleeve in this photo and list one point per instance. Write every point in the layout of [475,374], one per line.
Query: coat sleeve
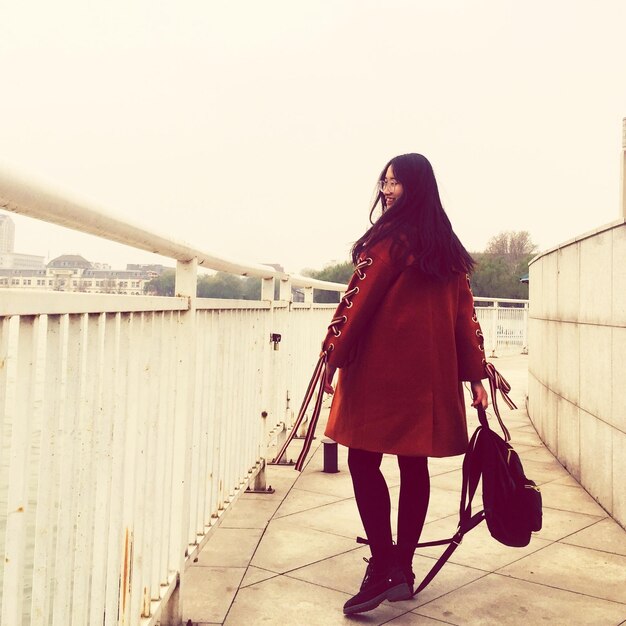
[470,347]
[373,275]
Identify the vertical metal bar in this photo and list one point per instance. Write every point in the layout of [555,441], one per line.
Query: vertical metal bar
[214,389]
[186,285]
[88,374]
[103,436]
[20,416]
[143,494]
[5,324]
[68,422]
[151,588]
[202,365]
[115,380]
[168,415]
[43,558]
[194,525]
[494,328]
[136,435]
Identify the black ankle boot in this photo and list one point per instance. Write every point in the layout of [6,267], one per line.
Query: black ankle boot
[385,582]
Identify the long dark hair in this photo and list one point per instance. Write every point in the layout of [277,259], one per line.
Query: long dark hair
[416,222]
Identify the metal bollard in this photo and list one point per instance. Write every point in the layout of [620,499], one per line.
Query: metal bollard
[330,456]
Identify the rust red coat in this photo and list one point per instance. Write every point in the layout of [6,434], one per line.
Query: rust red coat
[403,343]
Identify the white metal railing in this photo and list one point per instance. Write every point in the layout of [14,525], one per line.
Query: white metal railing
[129,423]
[504,323]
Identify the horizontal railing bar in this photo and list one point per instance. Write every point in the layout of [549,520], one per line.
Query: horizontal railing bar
[39,302]
[226,303]
[505,300]
[34,199]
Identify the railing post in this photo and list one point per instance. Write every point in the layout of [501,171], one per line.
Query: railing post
[285,290]
[525,330]
[494,329]
[267,289]
[186,285]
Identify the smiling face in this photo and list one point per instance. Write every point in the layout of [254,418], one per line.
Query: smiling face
[390,188]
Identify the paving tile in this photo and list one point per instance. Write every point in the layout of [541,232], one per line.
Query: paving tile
[284,600]
[301,500]
[597,574]
[495,599]
[338,485]
[338,518]
[478,549]
[252,513]
[604,535]
[345,572]
[207,592]
[450,481]
[230,547]
[566,498]
[568,480]
[544,471]
[441,504]
[443,465]
[525,438]
[535,454]
[286,547]
[559,524]
[255,575]
[412,619]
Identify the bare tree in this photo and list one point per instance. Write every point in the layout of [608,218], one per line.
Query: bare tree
[514,244]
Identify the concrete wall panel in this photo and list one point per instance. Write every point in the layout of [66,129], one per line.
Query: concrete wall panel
[568,361]
[596,259]
[595,369]
[596,458]
[577,360]
[568,288]
[619,277]
[569,436]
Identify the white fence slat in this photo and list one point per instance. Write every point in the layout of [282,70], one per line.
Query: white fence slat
[17,496]
[47,492]
[118,337]
[68,422]
[103,439]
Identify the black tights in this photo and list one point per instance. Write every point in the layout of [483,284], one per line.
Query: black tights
[372,498]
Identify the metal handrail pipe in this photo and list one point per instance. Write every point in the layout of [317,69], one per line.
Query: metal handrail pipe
[33,198]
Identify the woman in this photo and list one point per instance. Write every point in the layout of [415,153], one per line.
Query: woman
[404,336]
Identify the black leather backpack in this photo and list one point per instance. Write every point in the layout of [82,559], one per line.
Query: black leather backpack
[512,504]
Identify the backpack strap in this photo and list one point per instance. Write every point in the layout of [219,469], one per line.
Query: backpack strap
[467,521]
[497,382]
[317,380]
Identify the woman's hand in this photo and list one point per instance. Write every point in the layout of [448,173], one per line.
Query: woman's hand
[479,394]
[328,381]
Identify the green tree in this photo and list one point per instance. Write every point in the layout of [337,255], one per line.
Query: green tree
[162,285]
[220,285]
[334,273]
[251,289]
[501,266]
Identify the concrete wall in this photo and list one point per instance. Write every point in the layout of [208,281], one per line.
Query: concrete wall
[577,360]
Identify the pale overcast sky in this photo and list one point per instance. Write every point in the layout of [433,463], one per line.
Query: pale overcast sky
[257,129]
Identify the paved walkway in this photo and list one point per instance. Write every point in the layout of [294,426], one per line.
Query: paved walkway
[291,558]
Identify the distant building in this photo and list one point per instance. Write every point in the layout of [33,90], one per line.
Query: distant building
[7,234]
[153,270]
[72,272]
[17,261]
